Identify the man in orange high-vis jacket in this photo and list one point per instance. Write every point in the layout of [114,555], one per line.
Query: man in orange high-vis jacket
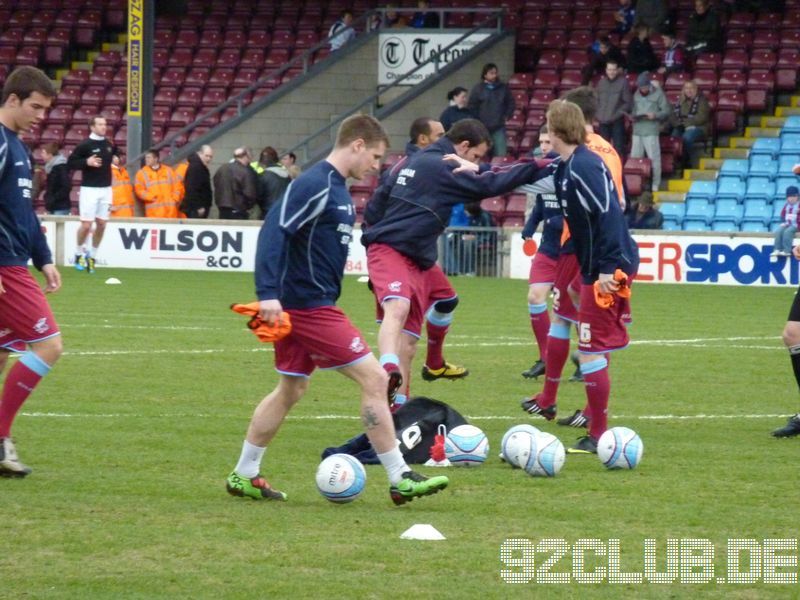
[122,201]
[155,187]
[180,184]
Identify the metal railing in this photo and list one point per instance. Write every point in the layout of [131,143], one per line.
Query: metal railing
[473,251]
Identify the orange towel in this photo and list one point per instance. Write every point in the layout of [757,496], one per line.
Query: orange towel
[605,300]
[263,330]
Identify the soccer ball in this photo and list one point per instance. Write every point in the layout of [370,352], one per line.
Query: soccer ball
[514,441]
[620,448]
[545,456]
[341,478]
[466,446]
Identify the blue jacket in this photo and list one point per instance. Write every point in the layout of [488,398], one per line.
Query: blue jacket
[546,209]
[304,241]
[589,203]
[376,207]
[424,194]
[21,237]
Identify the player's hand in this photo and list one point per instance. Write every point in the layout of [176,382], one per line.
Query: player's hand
[52,278]
[2,289]
[94,161]
[608,284]
[796,169]
[464,166]
[795,253]
[270,311]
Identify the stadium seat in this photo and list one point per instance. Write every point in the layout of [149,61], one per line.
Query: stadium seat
[673,211]
[704,190]
[733,80]
[496,206]
[516,204]
[766,147]
[695,225]
[724,225]
[757,211]
[761,188]
[763,165]
[699,209]
[728,211]
[753,227]
[731,188]
[735,167]
[786,162]
[781,183]
[790,144]
[792,125]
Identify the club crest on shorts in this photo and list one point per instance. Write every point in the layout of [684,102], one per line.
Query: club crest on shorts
[395,286]
[357,345]
[41,325]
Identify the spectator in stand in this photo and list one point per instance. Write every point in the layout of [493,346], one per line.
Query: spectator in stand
[614,101]
[650,110]
[652,14]
[674,60]
[624,17]
[790,221]
[491,102]
[197,199]
[156,186]
[289,160]
[601,52]
[57,188]
[123,202]
[457,109]
[394,20]
[705,32]
[691,118]
[236,186]
[273,179]
[424,18]
[645,215]
[341,31]
[641,56]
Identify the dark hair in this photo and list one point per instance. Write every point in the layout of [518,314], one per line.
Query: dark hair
[612,61]
[605,40]
[268,155]
[456,91]
[153,153]
[486,68]
[420,126]
[586,99]
[51,148]
[24,81]
[469,130]
[94,118]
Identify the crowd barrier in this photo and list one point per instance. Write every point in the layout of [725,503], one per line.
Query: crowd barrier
[666,257]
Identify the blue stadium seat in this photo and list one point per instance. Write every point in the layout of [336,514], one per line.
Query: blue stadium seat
[753,227]
[735,167]
[790,143]
[781,183]
[670,225]
[757,211]
[728,211]
[702,189]
[695,225]
[674,211]
[777,207]
[792,125]
[766,147]
[763,165]
[699,209]
[731,188]
[726,226]
[759,188]
[786,162]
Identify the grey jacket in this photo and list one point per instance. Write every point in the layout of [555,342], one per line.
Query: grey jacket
[655,102]
[491,106]
[613,99]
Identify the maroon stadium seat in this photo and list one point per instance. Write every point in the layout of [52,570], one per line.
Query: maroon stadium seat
[496,206]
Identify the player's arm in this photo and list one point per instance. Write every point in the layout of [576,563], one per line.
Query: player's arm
[468,187]
[595,192]
[79,156]
[536,216]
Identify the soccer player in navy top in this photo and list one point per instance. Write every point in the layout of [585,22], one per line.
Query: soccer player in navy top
[300,260]
[27,325]
[606,253]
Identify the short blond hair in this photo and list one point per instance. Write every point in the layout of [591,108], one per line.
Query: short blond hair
[363,127]
[565,121]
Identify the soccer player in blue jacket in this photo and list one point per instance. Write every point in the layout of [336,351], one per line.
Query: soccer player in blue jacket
[606,253]
[27,325]
[300,260]
[402,245]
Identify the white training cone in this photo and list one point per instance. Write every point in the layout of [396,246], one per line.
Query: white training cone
[363,279]
[432,462]
[422,531]
[113,281]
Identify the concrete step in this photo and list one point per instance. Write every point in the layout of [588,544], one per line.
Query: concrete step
[731,152]
[678,185]
[787,111]
[772,122]
[742,142]
[754,132]
[700,174]
[80,65]
[711,163]
[115,47]
[669,197]
[795,100]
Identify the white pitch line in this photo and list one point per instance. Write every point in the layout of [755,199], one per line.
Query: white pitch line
[57,415]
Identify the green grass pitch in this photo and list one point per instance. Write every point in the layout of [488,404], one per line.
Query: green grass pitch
[132,435]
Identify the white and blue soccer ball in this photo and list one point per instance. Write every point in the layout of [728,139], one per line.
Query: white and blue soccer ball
[341,478]
[620,448]
[466,446]
[515,441]
[545,457]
